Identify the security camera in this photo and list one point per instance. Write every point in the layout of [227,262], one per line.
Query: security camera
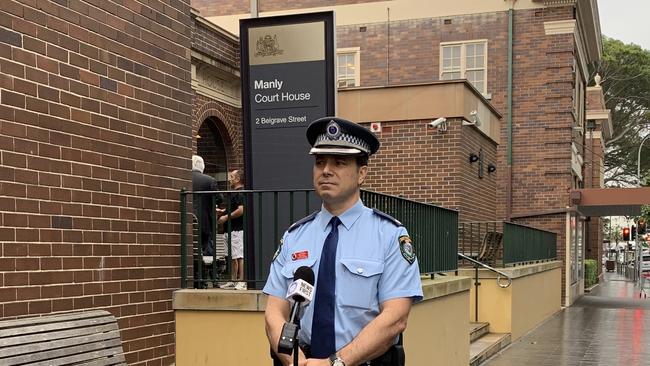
[475,118]
[437,122]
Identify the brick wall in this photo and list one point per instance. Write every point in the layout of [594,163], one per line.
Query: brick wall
[422,164]
[415,52]
[219,47]
[542,114]
[95,143]
[542,99]
[542,123]
[216,122]
[211,118]
[477,195]
[210,8]
[594,242]
[593,170]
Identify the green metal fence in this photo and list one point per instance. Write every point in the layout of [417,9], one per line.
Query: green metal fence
[272,213]
[525,244]
[433,229]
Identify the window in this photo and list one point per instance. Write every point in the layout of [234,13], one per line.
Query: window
[578,95]
[465,60]
[347,70]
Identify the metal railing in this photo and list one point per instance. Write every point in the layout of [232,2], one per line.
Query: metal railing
[502,243]
[272,212]
[433,231]
[524,244]
[473,240]
[476,265]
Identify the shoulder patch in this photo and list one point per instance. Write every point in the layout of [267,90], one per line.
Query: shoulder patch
[278,250]
[304,220]
[387,217]
[406,248]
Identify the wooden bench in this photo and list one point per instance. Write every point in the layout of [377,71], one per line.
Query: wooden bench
[490,248]
[80,338]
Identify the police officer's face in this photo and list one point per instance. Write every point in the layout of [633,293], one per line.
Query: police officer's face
[337,178]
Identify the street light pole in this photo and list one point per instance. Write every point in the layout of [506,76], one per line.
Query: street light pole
[638,161]
[639,251]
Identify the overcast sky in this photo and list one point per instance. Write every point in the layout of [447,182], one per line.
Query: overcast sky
[626,20]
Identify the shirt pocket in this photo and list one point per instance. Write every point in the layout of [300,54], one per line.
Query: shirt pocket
[290,268]
[357,286]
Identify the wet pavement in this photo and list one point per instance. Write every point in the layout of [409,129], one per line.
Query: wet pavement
[608,327]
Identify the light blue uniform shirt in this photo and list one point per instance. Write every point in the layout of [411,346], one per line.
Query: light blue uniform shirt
[370,268]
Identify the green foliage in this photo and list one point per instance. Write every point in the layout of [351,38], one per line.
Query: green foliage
[645,212]
[625,72]
[591,272]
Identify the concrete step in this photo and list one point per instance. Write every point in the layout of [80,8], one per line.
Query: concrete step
[478,330]
[487,346]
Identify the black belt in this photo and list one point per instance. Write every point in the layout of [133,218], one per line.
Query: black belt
[395,355]
[389,358]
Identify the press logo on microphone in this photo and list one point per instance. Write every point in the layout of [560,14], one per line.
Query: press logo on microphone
[301,289]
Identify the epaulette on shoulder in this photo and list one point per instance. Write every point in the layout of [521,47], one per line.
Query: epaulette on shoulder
[302,221]
[387,217]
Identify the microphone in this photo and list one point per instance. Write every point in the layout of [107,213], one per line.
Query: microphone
[300,293]
[301,290]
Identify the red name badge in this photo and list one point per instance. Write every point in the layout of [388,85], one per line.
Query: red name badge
[300,255]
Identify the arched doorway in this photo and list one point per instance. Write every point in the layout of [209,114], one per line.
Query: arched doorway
[210,146]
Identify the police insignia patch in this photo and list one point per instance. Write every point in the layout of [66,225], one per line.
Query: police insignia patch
[406,248]
[277,251]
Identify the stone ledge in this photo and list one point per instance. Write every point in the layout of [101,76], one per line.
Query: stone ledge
[513,272]
[440,287]
[255,300]
[219,300]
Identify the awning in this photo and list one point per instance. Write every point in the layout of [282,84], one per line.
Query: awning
[610,201]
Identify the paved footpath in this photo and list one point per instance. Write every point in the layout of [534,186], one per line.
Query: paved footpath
[608,327]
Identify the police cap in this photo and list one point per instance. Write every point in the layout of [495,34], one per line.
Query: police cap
[336,136]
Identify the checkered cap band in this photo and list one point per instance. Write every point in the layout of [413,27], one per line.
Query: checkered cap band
[343,139]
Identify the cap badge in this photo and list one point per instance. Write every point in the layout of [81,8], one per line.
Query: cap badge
[333,130]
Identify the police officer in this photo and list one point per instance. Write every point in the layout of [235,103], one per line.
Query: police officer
[366,272]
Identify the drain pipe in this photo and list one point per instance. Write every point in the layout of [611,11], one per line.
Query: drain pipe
[254,9]
[509,118]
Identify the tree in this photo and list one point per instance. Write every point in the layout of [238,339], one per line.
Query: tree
[625,72]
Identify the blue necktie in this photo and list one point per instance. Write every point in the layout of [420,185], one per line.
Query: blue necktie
[323,341]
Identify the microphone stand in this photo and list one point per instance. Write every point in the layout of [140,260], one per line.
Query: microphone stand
[288,342]
[296,321]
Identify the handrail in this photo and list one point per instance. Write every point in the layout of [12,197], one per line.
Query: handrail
[500,274]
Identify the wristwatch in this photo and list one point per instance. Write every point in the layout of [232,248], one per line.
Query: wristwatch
[336,360]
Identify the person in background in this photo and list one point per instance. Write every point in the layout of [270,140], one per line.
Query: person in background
[367,275]
[236,228]
[204,182]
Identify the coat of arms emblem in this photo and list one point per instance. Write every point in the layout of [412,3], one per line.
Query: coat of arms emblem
[268,46]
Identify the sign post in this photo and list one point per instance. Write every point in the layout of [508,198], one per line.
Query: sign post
[288,81]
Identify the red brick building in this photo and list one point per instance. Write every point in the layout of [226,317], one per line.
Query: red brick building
[540,156]
[100,106]
[216,114]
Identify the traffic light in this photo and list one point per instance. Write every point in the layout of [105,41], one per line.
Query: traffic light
[642,228]
[626,233]
[633,233]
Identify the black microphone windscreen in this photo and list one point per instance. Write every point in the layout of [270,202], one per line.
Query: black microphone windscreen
[304,273]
